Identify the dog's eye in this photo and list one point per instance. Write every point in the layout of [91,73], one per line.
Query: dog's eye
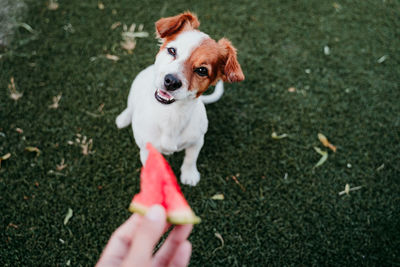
[171,51]
[202,71]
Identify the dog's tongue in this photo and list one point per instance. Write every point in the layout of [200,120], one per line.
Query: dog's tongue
[165,95]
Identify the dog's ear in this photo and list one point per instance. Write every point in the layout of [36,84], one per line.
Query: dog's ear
[231,70]
[172,25]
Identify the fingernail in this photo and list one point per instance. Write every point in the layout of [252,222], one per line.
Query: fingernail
[156,213]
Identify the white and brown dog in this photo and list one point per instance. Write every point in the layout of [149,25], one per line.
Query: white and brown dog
[165,105]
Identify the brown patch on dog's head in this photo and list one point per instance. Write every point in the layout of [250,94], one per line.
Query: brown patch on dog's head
[206,55]
[220,61]
[169,28]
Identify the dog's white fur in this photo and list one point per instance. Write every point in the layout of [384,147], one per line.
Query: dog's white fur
[170,127]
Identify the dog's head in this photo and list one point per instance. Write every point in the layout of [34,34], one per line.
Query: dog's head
[189,61]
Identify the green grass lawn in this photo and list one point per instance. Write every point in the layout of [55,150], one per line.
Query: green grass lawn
[341,57]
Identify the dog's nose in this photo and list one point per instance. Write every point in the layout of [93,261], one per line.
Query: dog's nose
[171,82]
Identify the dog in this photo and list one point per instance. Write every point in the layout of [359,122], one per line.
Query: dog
[165,102]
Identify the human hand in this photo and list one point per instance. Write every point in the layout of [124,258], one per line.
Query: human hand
[132,244]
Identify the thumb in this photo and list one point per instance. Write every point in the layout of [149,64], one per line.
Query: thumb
[146,237]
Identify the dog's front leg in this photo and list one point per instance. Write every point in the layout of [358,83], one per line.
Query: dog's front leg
[143,155]
[189,173]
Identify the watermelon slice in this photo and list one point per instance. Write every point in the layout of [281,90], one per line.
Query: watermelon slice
[158,185]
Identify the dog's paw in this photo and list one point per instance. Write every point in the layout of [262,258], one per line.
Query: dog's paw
[190,177]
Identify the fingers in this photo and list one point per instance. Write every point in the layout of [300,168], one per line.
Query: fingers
[119,243]
[171,245]
[182,255]
[147,235]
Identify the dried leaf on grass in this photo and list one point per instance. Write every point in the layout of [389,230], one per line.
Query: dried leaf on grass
[53,5]
[347,189]
[68,216]
[218,197]
[219,236]
[4,157]
[274,135]
[235,178]
[112,57]
[14,94]
[130,35]
[85,144]
[61,166]
[115,25]
[33,149]
[337,6]
[325,142]
[327,50]
[382,59]
[128,45]
[380,167]
[56,101]
[324,157]
[100,5]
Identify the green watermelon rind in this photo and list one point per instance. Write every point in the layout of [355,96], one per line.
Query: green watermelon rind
[184,217]
[137,208]
[177,217]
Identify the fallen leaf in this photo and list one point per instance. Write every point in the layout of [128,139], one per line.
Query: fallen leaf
[100,108]
[128,45]
[56,173]
[56,100]
[327,50]
[61,166]
[85,144]
[274,135]
[69,215]
[218,197]
[33,149]
[4,157]
[52,5]
[129,36]
[100,5]
[291,89]
[337,6]
[380,167]
[324,157]
[13,225]
[347,189]
[115,25]
[219,236]
[237,182]
[112,57]
[382,59]
[325,142]
[14,94]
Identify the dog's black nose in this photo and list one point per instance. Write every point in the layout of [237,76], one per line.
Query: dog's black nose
[171,82]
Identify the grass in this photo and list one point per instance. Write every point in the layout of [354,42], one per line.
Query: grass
[288,212]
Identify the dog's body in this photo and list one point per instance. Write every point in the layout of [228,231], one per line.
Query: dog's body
[165,105]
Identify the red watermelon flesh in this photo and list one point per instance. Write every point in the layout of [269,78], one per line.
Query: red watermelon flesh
[158,185]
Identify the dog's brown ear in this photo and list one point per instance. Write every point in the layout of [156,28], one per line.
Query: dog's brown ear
[232,72]
[172,25]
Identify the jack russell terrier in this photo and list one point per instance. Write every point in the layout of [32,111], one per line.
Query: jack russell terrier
[165,102]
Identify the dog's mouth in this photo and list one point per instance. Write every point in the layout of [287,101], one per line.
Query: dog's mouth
[164,97]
